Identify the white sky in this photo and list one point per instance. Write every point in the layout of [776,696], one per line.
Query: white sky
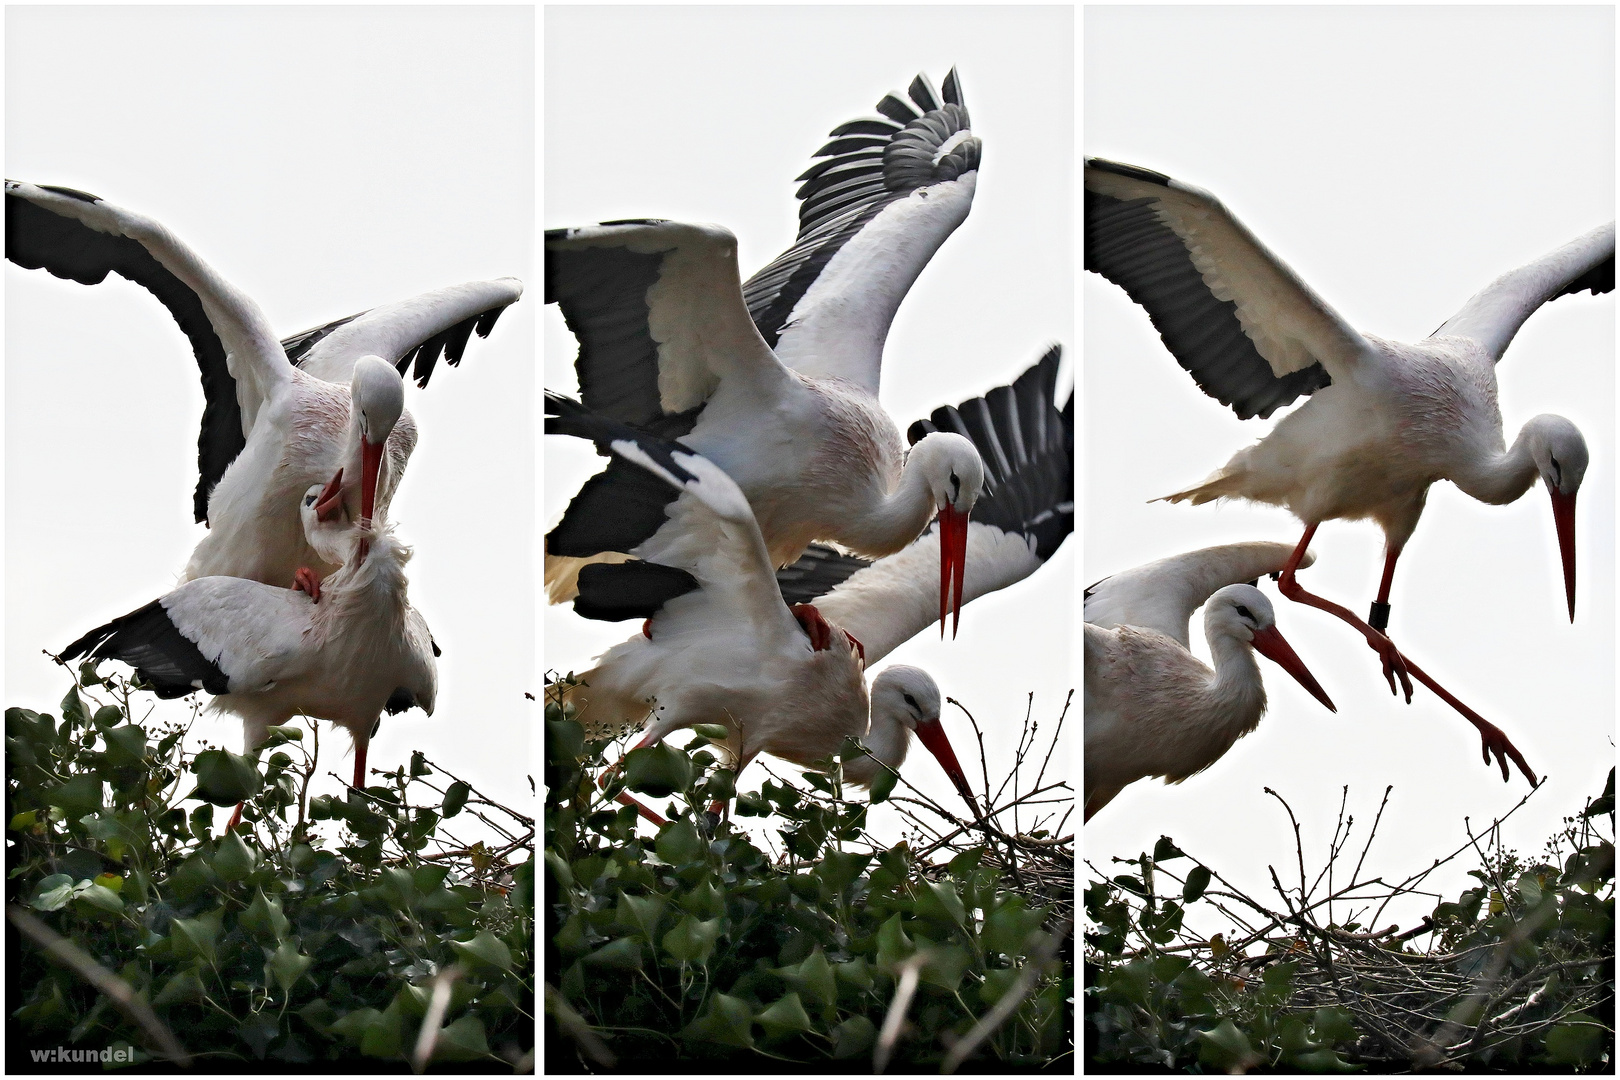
[707,114]
[1398,160]
[325,160]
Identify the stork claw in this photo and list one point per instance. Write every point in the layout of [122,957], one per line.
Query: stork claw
[306,580]
[855,643]
[1492,739]
[815,626]
[1394,664]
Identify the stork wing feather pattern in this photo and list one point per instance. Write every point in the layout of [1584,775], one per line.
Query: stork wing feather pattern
[713,544]
[410,332]
[1024,516]
[1248,330]
[656,306]
[1494,314]
[83,238]
[886,193]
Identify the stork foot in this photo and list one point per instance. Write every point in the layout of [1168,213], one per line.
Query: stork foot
[1492,739]
[855,643]
[330,504]
[815,626]
[306,580]
[236,819]
[1394,663]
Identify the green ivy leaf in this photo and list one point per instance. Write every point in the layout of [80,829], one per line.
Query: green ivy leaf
[287,966]
[729,1022]
[893,944]
[1225,1047]
[462,1040]
[455,797]
[233,860]
[692,941]
[659,770]
[224,778]
[264,917]
[784,1017]
[622,954]
[185,986]
[53,893]
[98,897]
[196,937]
[812,977]
[485,949]
[1578,1041]
[883,785]
[1166,849]
[679,844]
[1197,882]
[854,1036]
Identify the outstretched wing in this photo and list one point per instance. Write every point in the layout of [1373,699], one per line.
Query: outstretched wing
[217,634]
[82,238]
[1162,595]
[658,311]
[1251,333]
[1494,314]
[709,556]
[888,191]
[1025,514]
[415,331]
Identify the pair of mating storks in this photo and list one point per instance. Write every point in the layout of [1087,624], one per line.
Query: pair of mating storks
[753,472]
[295,602]
[1384,421]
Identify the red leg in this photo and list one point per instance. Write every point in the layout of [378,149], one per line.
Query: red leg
[815,625]
[1391,656]
[1492,738]
[360,746]
[306,580]
[1378,615]
[236,818]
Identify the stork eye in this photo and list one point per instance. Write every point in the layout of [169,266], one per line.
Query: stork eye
[1558,472]
[1246,613]
[912,702]
[309,500]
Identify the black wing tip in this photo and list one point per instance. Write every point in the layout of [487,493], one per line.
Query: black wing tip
[162,656]
[1134,172]
[613,592]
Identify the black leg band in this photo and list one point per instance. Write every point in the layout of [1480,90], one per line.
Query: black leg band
[1378,617]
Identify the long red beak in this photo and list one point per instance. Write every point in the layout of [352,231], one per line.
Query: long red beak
[1564,519]
[370,464]
[953,538]
[932,735]
[1269,643]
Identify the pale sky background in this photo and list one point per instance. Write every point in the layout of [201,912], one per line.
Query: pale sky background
[707,114]
[324,160]
[1398,159]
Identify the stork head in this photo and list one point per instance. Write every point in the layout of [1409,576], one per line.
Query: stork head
[954,473]
[1561,457]
[1244,613]
[376,400]
[910,698]
[329,536]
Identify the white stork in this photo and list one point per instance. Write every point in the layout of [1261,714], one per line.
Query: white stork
[776,381]
[281,415]
[1026,513]
[1152,707]
[345,649]
[1385,419]
[720,646]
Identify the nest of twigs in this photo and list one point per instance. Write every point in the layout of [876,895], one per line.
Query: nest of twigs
[1461,988]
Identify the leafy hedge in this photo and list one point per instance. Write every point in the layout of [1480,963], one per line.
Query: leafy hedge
[269,947]
[1518,974]
[693,949]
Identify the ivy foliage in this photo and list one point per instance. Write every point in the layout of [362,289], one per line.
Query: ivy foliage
[691,948]
[1518,975]
[268,947]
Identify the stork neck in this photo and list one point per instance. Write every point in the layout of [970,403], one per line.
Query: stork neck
[1236,691]
[895,519]
[889,740]
[377,583]
[1496,476]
